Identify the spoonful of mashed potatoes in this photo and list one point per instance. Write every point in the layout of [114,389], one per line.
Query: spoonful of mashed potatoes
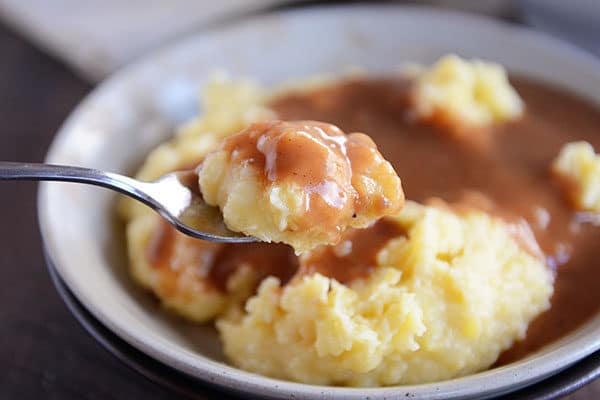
[302,183]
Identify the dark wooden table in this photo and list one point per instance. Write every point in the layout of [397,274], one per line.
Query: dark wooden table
[44,352]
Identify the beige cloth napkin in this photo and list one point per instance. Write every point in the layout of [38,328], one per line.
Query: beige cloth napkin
[98,36]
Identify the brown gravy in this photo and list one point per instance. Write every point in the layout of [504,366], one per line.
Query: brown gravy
[269,259]
[508,163]
[173,251]
[354,257]
[280,149]
[323,161]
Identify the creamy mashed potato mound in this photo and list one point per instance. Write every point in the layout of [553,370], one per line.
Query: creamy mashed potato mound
[578,169]
[443,302]
[456,92]
[301,182]
[447,293]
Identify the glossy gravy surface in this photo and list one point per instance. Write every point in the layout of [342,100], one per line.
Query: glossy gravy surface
[509,164]
[355,256]
[319,158]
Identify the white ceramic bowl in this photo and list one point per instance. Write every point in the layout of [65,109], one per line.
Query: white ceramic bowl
[137,108]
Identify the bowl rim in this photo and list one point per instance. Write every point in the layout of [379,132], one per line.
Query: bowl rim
[481,384]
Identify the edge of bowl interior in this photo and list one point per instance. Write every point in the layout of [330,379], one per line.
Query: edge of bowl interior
[445,25]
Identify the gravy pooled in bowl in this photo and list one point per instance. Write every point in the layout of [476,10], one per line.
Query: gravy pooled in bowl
[438,290]
[511,169]
[299,182]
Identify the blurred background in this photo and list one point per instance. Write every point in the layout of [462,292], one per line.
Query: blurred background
[97,37]
[52,53]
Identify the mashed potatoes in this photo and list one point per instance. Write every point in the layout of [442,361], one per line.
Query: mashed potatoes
[578,169]
[302,183]
[444,301]
[442,296]
[456,93]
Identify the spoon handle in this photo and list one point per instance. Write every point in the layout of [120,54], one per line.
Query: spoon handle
[11,171]
[169,195]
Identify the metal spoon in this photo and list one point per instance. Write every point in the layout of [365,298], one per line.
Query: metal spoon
[175,196]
